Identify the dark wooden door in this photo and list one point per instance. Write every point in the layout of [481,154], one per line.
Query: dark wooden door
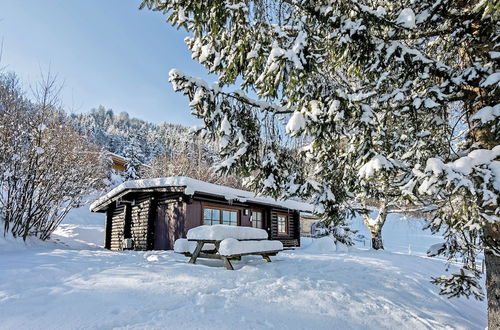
[161,237]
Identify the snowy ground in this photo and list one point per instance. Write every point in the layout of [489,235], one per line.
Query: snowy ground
[73,283]
[400,234]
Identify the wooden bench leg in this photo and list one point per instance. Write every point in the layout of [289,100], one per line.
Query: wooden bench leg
[227,263]
[265,256]
[196,252]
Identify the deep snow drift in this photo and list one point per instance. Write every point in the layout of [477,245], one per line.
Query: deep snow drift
[74,283]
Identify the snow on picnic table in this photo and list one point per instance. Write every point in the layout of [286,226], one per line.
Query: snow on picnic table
[220,232]
[59,287]
[182,245]
[231,246]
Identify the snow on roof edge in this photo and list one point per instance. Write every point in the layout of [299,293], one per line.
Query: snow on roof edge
[192,186]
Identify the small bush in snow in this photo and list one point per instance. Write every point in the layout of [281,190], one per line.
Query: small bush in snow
[46,166]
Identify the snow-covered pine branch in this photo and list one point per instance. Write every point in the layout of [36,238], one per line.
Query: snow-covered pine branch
[367,79]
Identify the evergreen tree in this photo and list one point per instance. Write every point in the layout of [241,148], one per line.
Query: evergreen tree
[345,74]
[116,132]
[134,156]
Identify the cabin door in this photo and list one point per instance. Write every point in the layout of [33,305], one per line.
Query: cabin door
[169,225]
[162,241]
[257,218]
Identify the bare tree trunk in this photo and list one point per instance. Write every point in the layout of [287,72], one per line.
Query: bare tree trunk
[475,98]
[492,232]
[375,227]
[376,234]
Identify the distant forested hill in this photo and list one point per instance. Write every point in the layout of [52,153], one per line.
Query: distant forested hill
[131,137]
[169,149]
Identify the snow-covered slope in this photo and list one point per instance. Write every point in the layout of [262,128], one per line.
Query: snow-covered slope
[73,283]
[82,216]
[61,288]
[400,234]
[81,229]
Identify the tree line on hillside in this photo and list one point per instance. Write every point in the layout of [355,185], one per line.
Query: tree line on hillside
[166,149]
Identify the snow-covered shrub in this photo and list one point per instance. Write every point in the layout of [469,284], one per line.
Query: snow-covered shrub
[340,234]
[46,166]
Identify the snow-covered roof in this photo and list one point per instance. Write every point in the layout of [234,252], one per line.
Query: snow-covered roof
[123,159]
[192,186]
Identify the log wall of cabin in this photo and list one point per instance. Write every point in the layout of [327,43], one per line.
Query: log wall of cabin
[193,217]
[194,212]
[292,238]
[107,227]
[139,221]
[146,209]
[117,215]
[296,227]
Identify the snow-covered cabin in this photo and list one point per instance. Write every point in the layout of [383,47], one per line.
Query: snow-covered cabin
[307,222]
[119,163]
[151,214]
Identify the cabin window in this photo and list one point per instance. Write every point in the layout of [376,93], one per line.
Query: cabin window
[229,218]
[213,216]
[282,224]
[257,219]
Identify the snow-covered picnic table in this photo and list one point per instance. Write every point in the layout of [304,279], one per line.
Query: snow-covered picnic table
[226,243]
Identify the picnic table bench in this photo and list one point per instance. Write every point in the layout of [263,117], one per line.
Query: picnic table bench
[226,244]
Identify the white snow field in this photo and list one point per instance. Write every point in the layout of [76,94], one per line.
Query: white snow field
[73,283]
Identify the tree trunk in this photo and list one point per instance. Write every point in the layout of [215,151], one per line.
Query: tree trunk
[375,227]
[475,98]
[492,233]
[376,235]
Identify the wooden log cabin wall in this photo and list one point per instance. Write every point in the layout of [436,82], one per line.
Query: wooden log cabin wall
[152,218]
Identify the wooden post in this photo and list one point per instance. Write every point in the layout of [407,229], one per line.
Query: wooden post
[227,263]
[196,252]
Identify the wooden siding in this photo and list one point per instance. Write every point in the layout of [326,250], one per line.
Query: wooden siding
[139,224]
[107,228]
[151,223]
[118,163]
[169,222]
[117,226]
[176,222]
[193,216]
[292,238]
[118,167]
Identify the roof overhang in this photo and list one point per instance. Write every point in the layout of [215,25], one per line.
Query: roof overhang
[192,187]
[103,206]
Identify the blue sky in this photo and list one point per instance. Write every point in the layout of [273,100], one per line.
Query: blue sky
[106,52]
